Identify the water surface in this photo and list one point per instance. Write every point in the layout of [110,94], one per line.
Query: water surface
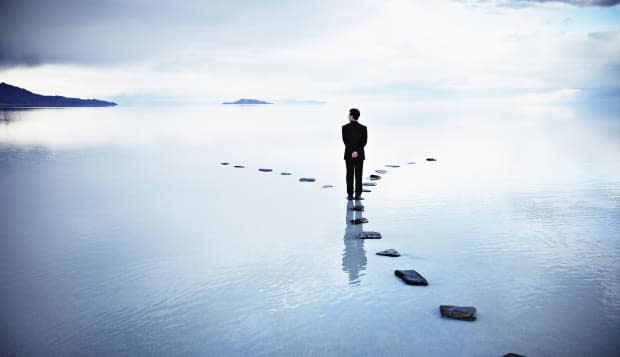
[121,233]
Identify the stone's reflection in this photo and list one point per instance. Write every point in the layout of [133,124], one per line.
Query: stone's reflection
[354,256]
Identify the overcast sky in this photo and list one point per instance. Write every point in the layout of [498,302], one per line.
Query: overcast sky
[307,49]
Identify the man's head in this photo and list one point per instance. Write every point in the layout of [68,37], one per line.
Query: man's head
[354,114]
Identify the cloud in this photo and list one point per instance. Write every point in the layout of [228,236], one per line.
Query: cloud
[313,49]
[527,3]
[112,32]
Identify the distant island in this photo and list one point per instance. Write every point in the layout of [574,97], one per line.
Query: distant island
[247,101]
[15,97]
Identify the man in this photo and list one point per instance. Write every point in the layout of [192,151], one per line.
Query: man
[354,136]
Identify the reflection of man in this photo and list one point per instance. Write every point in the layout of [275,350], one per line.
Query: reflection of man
[354,255]
[354,136]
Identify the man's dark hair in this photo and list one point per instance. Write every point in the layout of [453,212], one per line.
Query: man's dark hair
[355,113]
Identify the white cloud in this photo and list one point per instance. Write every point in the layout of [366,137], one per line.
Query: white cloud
[345,51]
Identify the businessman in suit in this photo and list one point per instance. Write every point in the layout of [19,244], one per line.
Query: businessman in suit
[354,136]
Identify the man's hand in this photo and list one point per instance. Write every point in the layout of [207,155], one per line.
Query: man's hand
[354,154]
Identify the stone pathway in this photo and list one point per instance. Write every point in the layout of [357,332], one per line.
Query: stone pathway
[408,276]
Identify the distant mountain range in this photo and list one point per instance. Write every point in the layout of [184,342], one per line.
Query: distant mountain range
[12,97]
[247,101]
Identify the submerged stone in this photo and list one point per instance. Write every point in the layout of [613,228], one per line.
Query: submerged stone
[285,173]
[239,166]
[327,186]
[381,171]
[359,220]
[265,170]
[369,184]
[466,313]
[369,235]
[389,253]
[224,163]
[411,162]
[357,208]
[411,277]
[393,166]
[430,159]
[375,177]
[512,355]
[366,190]
[306,179]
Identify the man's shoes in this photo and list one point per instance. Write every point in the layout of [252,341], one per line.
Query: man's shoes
[358,197]
[350,197]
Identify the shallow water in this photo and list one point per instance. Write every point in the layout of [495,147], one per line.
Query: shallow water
[121,233]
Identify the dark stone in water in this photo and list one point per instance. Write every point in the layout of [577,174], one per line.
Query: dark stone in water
[306,179]
[265,170]
[512,355]
[466,313]
[366,190]
[393,166]
[411,277]
[239,166]
[369,235]
[369,184]
[327,186]
[430,159]
[357,208]
[411,162]
[389,253]
[224,163]
[375,177]
[285,173]
[381,171]
[359,220]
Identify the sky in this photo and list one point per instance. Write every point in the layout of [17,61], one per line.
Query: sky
[321,50]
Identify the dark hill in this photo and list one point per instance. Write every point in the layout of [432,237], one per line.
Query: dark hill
[11,96]
[247,101]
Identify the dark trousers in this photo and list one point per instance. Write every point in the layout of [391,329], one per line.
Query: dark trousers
[354,169]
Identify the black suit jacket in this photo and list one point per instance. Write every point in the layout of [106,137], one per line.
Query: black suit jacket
[354,136]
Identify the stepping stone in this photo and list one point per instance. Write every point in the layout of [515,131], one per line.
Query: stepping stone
[393,166]
[357,208]
[369,235]
[512,355]
[239,166]
[265,170]
[359,220]
[369,184]
[411,162]
[327,186]
[389,253]
[430,159]
[375,177]
[224,163]
[466,313]
[381,171]
[285,173]
[366,190]
[306,179]
[411,277]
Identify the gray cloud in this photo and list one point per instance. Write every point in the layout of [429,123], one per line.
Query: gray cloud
[527,3]
[34,32]
[604,35]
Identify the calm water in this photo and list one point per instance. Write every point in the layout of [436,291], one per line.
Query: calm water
[120,232]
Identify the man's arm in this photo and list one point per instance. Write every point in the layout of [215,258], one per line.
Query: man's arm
[364,137]
[344,138]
